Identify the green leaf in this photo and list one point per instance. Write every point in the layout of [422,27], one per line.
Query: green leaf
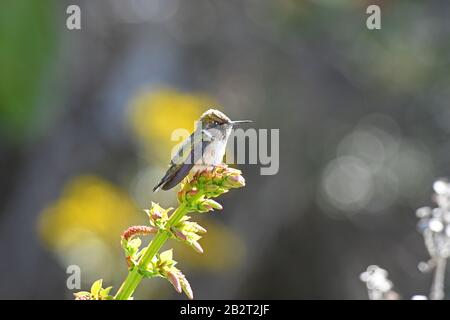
[131,247]
[124,243]
[166,255]
[135,244]
[96,287]
[105,292]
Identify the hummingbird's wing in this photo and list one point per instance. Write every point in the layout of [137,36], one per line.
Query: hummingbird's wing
[189,153]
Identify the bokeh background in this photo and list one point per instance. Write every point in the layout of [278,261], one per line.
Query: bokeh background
[86,117]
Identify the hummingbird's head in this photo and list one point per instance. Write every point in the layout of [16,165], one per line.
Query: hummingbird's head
[213,118]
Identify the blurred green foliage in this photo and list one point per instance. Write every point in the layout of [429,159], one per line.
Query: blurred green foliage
[27,36]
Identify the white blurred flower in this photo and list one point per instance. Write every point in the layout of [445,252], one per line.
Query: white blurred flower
[434,224]
[377,282]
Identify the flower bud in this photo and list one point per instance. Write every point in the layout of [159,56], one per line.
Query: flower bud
[218,192]
[138,230]
[181,196]
[233,171]
[203,207]
[190,194]
[234,181]
[180,235]
[154,214]
[197,247]
[187,288]
[83,295]
[213,204]
[199,228]
[210,187]
[173,279]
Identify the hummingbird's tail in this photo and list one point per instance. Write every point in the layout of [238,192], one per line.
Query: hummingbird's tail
[164,179]
[158,186]
[173,176]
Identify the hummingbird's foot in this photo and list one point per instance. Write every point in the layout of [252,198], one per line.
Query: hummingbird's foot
[199,168]
[213,167]
[220,165]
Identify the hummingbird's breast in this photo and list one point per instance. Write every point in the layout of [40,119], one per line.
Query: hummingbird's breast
[214,152]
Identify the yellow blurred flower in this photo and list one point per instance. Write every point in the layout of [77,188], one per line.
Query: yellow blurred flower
[155,114]
[88,205]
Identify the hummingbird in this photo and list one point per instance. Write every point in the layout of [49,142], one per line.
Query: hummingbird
[203,149]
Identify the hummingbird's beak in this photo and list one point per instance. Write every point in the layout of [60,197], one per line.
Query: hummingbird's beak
[240,121]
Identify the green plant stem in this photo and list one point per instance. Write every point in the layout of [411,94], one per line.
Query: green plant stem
[134,277]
